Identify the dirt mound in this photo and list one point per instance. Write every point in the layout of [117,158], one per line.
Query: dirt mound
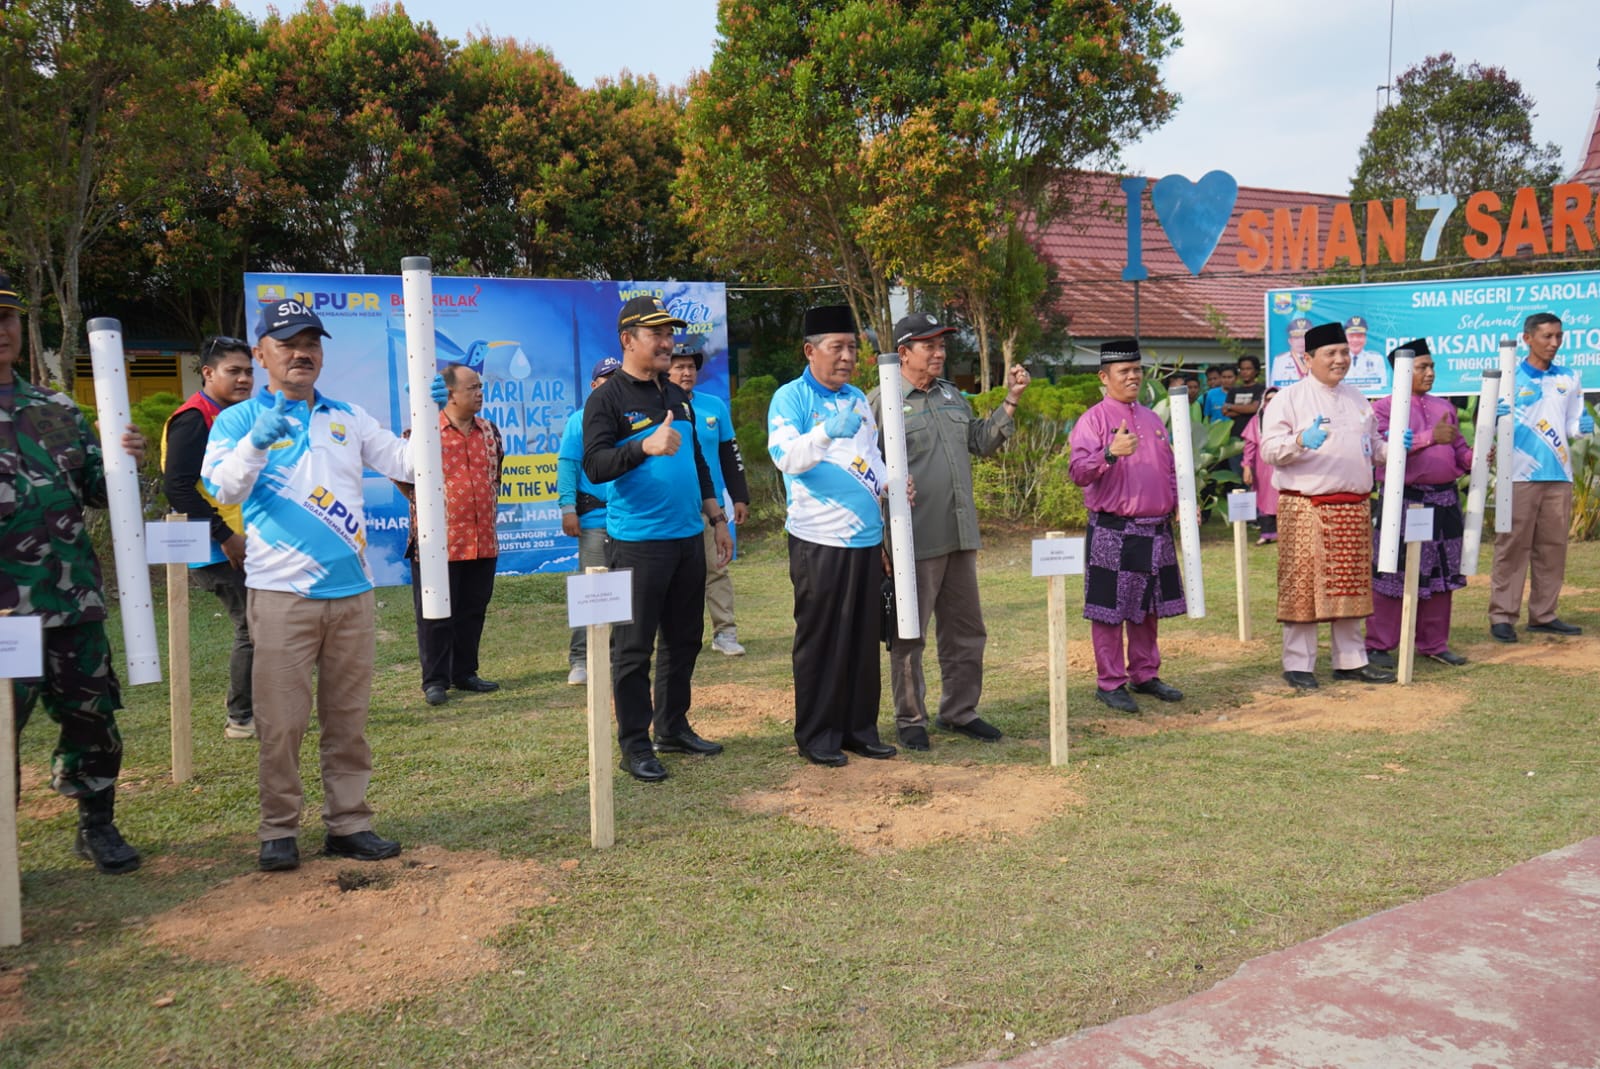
[881,806]
[732,709]
[1343,707]
[362,933]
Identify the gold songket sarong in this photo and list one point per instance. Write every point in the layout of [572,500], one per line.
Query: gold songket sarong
[1324,557]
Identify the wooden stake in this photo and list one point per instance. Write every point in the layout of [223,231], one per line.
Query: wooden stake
[10,865]
[1056,608]
[1406,655]
[602,813]
[178,666]
[1241,574]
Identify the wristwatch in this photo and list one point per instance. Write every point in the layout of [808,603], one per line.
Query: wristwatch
[721,517]
[1111,458]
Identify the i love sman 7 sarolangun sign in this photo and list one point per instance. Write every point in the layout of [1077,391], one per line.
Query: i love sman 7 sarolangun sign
[1195,215]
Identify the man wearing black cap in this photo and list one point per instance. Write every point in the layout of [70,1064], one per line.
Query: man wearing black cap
[659,497]
[720,450]
[1437,457]
[54,470]
[294,459]
[1122,457]
[821,435]
[1321,436]
[583,513]
[942,435]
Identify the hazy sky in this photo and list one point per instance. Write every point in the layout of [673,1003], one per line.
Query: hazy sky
[1280,93]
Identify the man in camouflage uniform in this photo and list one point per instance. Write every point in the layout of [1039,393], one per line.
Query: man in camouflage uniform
[50,469]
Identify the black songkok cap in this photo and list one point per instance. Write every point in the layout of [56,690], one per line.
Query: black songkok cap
[1325,334]
[828,319]
[1418,347]
[1119,351]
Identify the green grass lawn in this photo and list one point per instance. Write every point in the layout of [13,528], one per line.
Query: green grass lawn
[711,936]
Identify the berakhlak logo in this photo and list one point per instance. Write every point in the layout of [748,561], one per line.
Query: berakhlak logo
[1194,214]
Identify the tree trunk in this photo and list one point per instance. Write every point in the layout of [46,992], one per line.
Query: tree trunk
[980,324]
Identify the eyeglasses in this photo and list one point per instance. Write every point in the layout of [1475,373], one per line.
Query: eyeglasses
[221,343]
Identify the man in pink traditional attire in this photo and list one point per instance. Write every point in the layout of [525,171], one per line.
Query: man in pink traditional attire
[1122,457]
[1321,436]
[1436,458]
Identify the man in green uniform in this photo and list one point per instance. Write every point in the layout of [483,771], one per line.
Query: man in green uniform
[50,469]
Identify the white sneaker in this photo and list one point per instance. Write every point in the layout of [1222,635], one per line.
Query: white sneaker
[724,642]
[578,676]
[246,730]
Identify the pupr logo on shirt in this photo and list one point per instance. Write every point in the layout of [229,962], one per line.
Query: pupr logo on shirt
[326,506]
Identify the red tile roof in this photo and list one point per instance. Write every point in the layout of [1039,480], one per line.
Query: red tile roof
[1589,171]
[1089,245]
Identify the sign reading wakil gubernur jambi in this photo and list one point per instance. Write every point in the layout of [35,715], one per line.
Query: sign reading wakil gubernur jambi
[1317,237]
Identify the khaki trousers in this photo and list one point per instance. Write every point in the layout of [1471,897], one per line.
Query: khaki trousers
[947,587]
[719,590]
[293,636]
[1541,514]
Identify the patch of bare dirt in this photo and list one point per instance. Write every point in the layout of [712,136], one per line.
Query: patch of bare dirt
[732,709]
[1393,709]
[362,933]
[1576,655]
[878,807]
[1214,653]
[13,1006]
[37,800]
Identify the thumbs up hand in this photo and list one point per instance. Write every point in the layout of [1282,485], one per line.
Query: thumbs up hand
[1313,436]
[272,424]
[665,439]
[843,423]
[1123,442]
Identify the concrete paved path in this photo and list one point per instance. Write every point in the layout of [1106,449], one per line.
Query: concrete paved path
[1500,973]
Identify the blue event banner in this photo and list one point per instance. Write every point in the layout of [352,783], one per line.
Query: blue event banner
[1463,321]
[534,341]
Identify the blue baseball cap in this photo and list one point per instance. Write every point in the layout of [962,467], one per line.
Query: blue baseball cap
[606,366]
[282,320]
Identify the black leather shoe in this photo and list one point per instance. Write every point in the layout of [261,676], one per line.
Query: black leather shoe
[279,855]
[1381,658]
[1157,689]
[435,695]
[1502,632]
[687,741]
[1449,657]
[1119,699]
[1367,673]
[914,738]
[476,684]
[360,846]
[829,758]
[644,767]
[878,751]
[976,728]
[104,845]
[1301,680]
[1554,626]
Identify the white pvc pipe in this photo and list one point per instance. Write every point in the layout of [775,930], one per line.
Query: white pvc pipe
[1505,438]
[1394,470]
[122,493]
[902,550]
[433,557]
[1194,588]
[1478,481]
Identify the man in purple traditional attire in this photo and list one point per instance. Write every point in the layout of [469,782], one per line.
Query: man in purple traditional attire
[1438,456]
[1122,457]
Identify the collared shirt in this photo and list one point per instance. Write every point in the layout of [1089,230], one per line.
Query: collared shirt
[1548,406]
[1343,463]
[1428,463]
[305,527]
[650,498]
[1144,483]
[833,484]
[574,492]
[50,469]
[471,488]
[183,448]
[943,434]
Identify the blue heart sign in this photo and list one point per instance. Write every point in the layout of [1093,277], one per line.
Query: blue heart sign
[1194,214]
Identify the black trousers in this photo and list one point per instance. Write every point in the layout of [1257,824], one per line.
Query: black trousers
[669,604]
[448,648]
[837,603]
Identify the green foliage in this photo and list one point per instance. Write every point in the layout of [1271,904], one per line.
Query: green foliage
[749,410]
[1211,442]
[1027,481]
[1585,485]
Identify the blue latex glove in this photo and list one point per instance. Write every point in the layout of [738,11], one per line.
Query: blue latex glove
[1586,424]
[1407,438]
[439,391]
[272,424]
[1502,409]
[843,423]
[1313,436]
